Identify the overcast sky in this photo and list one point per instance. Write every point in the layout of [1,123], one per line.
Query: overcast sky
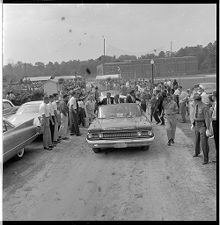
[41,32]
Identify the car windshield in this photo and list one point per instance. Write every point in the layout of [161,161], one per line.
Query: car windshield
[28,108]
[113,93]
[119,111]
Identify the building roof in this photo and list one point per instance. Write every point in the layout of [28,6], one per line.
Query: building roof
[112,76]
[45,78]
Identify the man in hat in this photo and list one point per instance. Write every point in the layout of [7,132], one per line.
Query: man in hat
[201,123]
[204,95]
[170,109]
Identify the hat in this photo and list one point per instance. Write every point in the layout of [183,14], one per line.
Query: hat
[196,96]
[214,93]
[201,86]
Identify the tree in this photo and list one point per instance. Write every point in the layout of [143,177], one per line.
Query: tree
[161,54]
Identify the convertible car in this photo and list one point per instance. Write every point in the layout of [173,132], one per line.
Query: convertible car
[15,138]
[103,94]
[120,126]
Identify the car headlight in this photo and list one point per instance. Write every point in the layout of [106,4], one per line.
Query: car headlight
[89,136]
[150,133]
[139,133]
[100,135]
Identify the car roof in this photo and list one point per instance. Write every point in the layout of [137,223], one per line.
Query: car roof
[32,102]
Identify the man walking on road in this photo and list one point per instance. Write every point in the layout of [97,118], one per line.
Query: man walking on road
[201,122]
[183,97]
[170,110]
[52,118]
[44,112]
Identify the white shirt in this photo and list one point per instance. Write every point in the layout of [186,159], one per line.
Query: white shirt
[72,102]
[81,104]
[54,104]
[182,97]
[176,92]
[205,98]
[44,109]
[51,110]
[214,112]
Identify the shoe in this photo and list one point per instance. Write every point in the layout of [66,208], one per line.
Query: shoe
[65,138]
[51,146]
[205,163]
[71,134]
[196,155]
[157,123]
[169,143]
[214,160]
[162,124]
[49,149]
[78,135]
[172,141]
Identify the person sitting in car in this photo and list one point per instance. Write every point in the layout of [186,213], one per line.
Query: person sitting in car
[118,100]
[131,97]
[108,100]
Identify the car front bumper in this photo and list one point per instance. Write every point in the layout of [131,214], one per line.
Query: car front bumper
[122,143]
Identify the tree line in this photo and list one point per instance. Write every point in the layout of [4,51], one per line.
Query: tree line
[206,57]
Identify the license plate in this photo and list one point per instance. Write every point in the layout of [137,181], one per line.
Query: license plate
[120,145]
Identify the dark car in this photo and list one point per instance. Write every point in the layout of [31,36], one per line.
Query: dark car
[8,108]
[15,138]
[120,126]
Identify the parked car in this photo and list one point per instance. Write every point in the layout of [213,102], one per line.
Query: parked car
[8,108]
[120,126]
[15,138]
[27,112]
[103,94]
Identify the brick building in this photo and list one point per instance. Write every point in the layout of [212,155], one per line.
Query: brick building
[163,67]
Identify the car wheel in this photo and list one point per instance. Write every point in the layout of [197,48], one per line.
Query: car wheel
[145,148]
[96,150]
[20,154]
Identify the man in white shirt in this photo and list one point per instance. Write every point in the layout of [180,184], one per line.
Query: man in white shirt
[204,96]
[74,126]
[45,114]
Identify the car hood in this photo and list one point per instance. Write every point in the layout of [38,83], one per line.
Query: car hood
[19,119]
[120,124]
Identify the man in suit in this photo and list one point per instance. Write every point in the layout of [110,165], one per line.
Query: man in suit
[131,98]
[118,100]
[108,100]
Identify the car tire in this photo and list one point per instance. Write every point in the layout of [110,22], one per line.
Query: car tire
[145,148]
[96,150]
[19,154]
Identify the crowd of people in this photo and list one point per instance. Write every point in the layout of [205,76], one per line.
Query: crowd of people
[162,101]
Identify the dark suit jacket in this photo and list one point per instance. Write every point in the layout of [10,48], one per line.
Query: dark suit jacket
[104,101]
[129,99]
[121,100]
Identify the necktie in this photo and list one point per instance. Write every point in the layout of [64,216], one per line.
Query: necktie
[197,110]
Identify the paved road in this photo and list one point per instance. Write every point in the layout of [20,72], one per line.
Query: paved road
[73,183]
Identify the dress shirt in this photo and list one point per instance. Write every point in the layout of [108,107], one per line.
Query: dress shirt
[43,109]
[51,109]
[54,104]
[205,98]
[72,103]
[183,97]
[176,92]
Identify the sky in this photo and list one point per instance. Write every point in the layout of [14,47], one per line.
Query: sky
[62,32]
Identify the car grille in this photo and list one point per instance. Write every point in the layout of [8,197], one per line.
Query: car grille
[123,135]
